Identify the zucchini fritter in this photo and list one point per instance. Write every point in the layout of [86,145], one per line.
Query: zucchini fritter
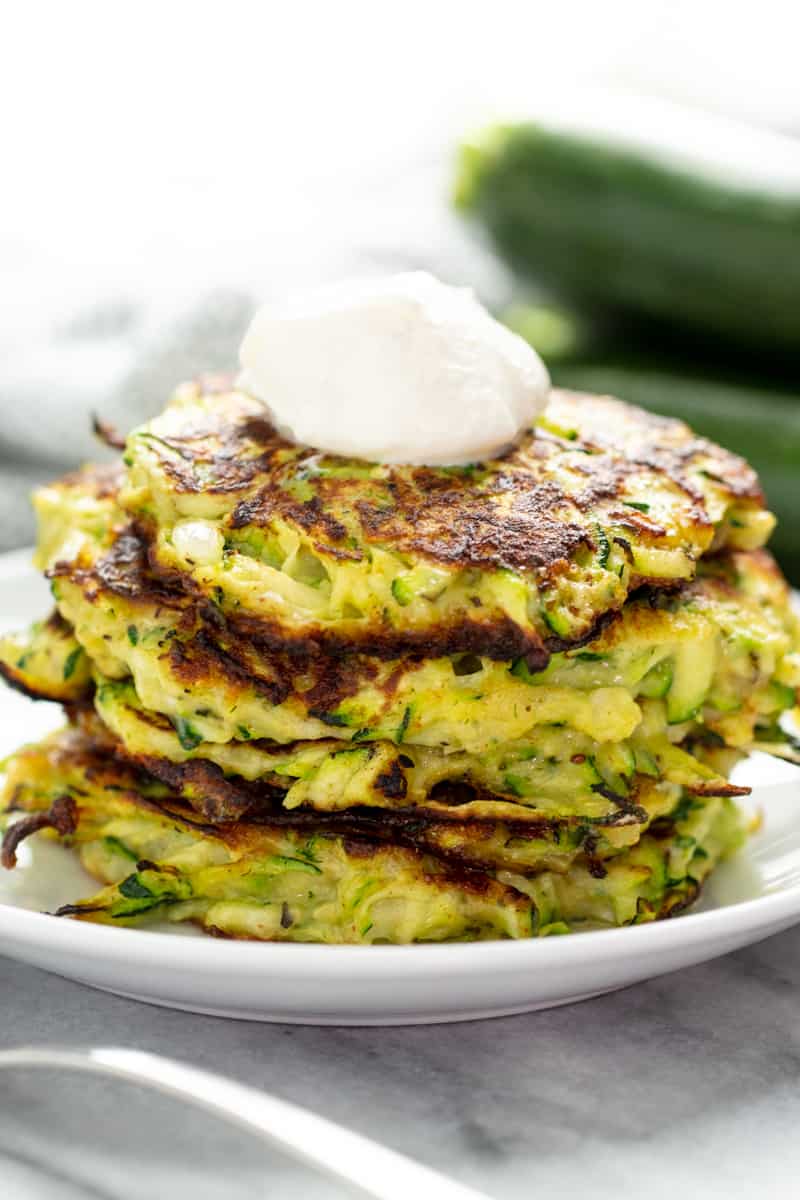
[519,556]
[722,650]
[267,882]
[509,810]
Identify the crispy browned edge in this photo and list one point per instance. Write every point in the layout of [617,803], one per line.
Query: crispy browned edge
[450,516]
[105,769]
[510,518]
[219,799]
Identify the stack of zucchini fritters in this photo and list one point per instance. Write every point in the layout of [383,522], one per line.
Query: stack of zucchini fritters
[313,699]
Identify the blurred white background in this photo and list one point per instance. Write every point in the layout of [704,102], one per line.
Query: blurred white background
[168,165]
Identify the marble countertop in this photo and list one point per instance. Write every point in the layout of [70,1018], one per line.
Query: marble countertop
[683,1086]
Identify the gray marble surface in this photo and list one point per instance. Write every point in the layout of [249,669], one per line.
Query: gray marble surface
[684,1086]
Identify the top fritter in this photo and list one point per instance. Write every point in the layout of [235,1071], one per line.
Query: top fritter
[518,556]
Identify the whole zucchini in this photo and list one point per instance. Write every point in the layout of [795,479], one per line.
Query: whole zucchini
[631,230]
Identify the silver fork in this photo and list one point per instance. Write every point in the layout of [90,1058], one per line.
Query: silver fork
[352,1159]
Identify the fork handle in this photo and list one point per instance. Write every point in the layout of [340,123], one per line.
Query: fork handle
[377,1171]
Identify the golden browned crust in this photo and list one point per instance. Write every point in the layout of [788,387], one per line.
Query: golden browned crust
[75,750]
[497,637]
[230,807]
[123,570]
[129,570]
[458,843]
[512,521]
[515,513]
[220,798]
[504,514]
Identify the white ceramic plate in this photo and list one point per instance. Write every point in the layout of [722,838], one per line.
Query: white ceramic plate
[747,899]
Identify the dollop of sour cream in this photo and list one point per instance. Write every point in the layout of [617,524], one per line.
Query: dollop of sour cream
[404,369]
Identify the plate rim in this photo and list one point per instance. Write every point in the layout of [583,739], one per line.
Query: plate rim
[37,928]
